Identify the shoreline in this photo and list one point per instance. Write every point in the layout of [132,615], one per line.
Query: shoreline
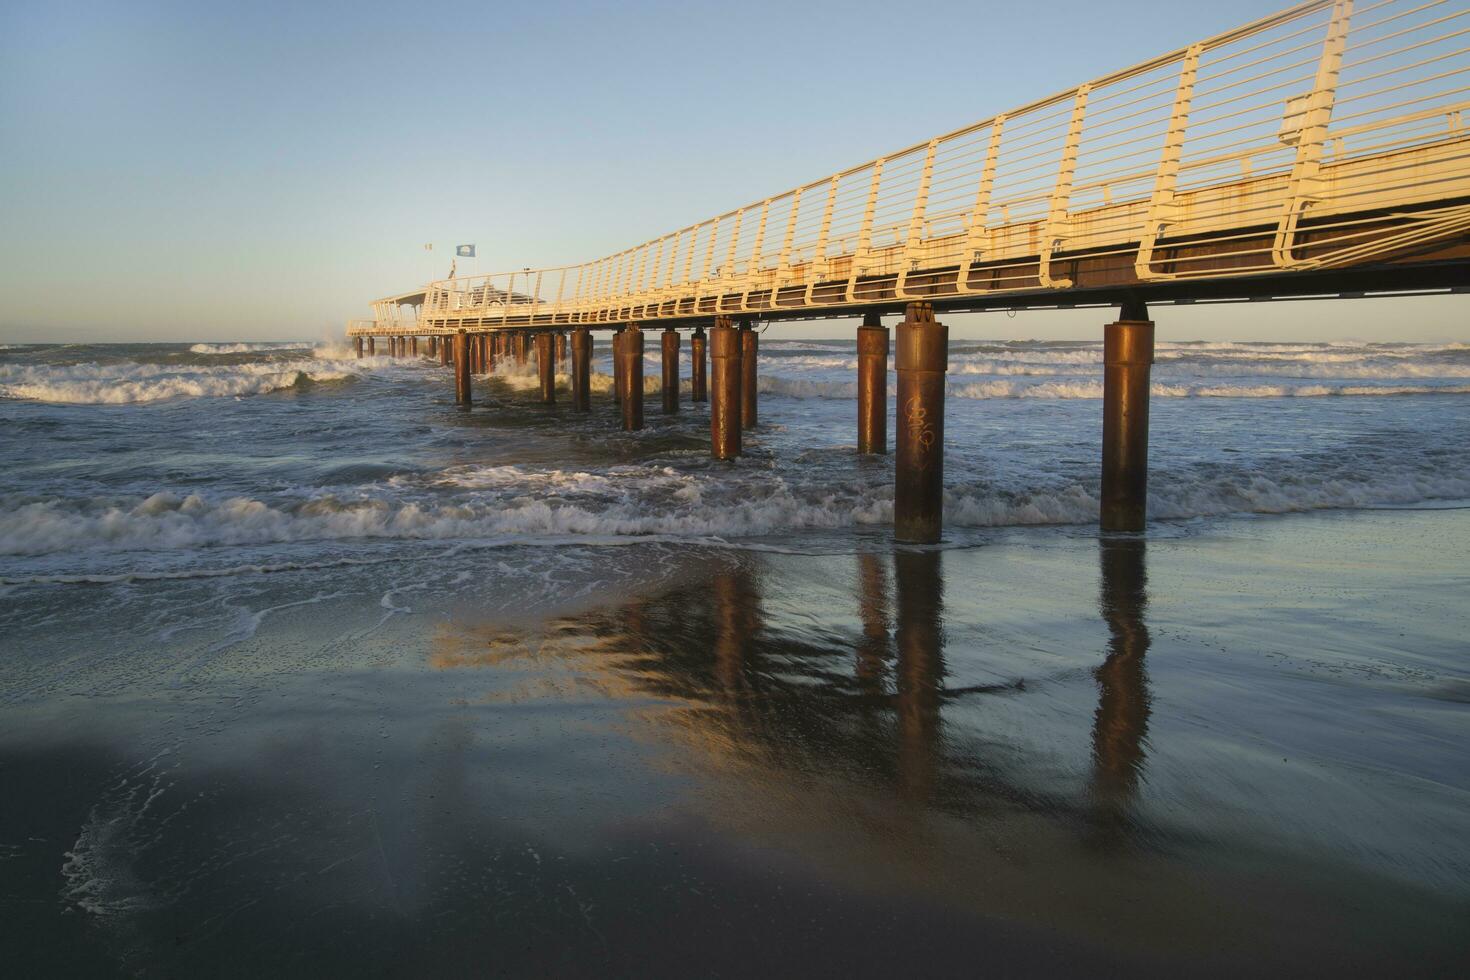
[1018,740]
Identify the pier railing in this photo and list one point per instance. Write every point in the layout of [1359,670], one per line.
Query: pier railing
[1330,134]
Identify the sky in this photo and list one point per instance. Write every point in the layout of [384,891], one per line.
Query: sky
[202,171]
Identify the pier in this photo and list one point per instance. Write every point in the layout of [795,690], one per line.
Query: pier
[1318,153]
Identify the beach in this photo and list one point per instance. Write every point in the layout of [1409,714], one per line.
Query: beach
[309,672]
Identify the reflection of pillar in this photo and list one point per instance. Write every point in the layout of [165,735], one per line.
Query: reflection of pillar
[1121,721]
[919,637]
[735,601]
[872,651]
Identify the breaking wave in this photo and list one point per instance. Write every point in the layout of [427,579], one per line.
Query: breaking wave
[246,348]
[131,382]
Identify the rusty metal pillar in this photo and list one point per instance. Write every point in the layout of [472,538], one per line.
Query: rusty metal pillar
[725,383]
[617,366]
[749,352]
[462,368]
[413,346]
[561,349]
[918,493]
[357,342]
[446,351]
[546,367]
[372,346]
[581,370]
[1128,354]
[670,350]
[698,384]
[523,348]
[872,351]
[630,352]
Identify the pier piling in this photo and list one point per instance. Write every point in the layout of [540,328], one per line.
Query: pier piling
[617,366]
[546,367]
[1128,356]
[725,384]
[523,344]
[581,370]
[413,346]
[357,343]
[372,346]
[445,351]
[872,350]
[561,350]
[918,493]
[749,353]
[670,349]
[697,381]
[462,369]
[631,354]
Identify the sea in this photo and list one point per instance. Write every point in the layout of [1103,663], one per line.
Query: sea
[305,669]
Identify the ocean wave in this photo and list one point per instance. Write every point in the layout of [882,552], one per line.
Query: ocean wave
[131,382]
[1073,388]
[474,503]
[247,348]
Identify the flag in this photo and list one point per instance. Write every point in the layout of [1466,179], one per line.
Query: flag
[465,251]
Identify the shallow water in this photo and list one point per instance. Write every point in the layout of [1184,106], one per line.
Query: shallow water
[335,677]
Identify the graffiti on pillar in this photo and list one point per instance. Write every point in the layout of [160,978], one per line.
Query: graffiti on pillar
[920,426]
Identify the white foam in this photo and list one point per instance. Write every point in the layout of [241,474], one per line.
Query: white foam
[130,382]
[246,348]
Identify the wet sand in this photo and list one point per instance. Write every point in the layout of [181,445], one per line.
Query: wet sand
[1235,746]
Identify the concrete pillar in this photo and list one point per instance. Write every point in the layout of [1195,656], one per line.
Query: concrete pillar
[546,366]
[697,380]
[357,343]
[561,349]
[725,383]
[1128,355]
[918,493]
[872,351]
[631,354]
[670,345]
[581,370]
[749,350]
[462,368]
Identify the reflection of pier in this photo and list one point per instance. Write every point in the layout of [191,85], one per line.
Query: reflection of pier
[870,701]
